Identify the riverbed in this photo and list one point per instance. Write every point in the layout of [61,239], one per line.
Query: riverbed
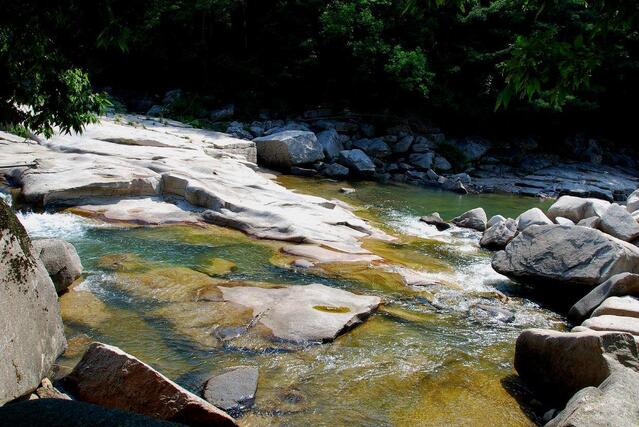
[430,356]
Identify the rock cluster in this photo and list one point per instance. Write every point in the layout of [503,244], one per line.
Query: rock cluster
[592,247]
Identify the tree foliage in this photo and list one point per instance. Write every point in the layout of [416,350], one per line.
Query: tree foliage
[471,57]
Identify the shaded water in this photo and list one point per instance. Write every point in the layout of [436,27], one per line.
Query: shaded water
[430,356]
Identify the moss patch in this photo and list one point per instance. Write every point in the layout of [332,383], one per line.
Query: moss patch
[331,309]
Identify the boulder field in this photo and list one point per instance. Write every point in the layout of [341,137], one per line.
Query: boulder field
[588,246]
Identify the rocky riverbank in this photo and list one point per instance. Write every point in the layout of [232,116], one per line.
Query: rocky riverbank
[579,247]
[347,146]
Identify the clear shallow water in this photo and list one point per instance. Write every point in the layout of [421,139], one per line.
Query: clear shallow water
[430,356]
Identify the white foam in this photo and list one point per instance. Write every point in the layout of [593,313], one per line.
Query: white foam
[56,225]
[6,197]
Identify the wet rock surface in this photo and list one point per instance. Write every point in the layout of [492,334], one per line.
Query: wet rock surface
[232,390]
[61,261]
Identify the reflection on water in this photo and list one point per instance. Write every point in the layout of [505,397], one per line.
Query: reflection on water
[430,356]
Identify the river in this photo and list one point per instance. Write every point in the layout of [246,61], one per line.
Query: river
[429,356]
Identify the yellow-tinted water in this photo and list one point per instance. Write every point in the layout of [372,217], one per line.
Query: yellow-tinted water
[427,357]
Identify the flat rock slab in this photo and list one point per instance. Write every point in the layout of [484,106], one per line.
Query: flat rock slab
[613,323]
[618,306]
[233,389]
[108,376]
[574,256]
[305,313]
[322,255]
[142,210]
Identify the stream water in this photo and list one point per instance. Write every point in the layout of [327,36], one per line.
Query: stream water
[429,356]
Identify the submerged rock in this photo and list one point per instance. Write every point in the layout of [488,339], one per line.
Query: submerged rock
[575,256]
[320,254]
[304,313]
[31,328]
[558,364]
[618,285]
[436,220]
[499,235]
[234,389]
[109,377]
[474,218]
[61,261]
[288,148]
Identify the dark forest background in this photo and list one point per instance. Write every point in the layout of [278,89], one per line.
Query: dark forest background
[487,66]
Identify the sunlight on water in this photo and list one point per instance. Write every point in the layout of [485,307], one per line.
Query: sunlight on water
[436,353]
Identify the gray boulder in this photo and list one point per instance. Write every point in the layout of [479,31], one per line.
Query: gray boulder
[590,222]
[473,148]
[61,261]
[575,256]
[373,147]
[533,216]
[499,235]
[618,306]
[618,285]
[234,389]
[613,403]
[422,161]
[334,170]
[495,219]
[613,323]
[564,221]
[436,220]
[618,222]
[577,208]
[330,142]
[30,323]
[632,203]
[403,145]
[283,127]
[454,186]
[441,164]
[357,161]
[222,113]
[474,218]
[109,377]
[558,364]
[285,149]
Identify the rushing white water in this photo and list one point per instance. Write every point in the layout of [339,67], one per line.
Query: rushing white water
[56,225]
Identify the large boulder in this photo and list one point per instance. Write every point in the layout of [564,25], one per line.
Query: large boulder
[234,389]
[288,148]
[533,216]
[576,256]
[304,313]
[109,377]
[499,235]
[334,170]
[618,285]
[357,161]
[71,413]
[31,330]
[373,147]
[632,203]
[495,219]
[613,403]
[422,160]
[473,148]
[61,261]
[474,218]
[577,208]
[330,142]
[618,222]
[558,364]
